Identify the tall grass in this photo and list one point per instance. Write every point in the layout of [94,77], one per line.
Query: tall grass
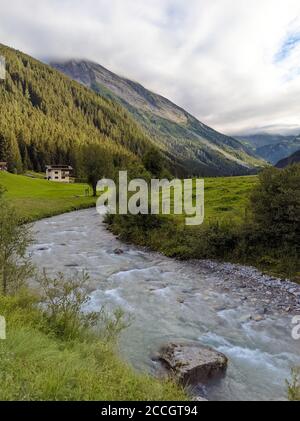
[38,364]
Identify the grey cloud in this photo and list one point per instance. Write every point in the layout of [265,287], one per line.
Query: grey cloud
[216,59]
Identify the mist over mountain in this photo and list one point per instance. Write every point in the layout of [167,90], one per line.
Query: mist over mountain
[199,149]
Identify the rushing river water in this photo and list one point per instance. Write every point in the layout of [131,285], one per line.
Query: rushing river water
[170,301]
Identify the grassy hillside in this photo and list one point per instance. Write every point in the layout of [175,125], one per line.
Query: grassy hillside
[45,117]
[200,149]
[36,198]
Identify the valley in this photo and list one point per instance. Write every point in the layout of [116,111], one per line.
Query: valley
[231,284]
[196,148]
[272,148]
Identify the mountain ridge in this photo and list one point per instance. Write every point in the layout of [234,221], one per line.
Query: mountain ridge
[199,148]
[45,117]
[293,159]
[272,148]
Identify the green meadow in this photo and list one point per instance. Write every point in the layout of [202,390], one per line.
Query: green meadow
[225,197]
[36,198]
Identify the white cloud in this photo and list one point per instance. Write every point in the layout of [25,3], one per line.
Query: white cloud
[235,64]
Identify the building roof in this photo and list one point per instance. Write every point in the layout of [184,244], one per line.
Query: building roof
[59,167]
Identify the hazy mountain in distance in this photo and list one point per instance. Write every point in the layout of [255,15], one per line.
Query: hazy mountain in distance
[293,159]
[264,139]
[272,148]
[200,149]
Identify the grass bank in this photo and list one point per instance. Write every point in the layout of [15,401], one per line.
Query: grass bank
[37,365]
[37,198]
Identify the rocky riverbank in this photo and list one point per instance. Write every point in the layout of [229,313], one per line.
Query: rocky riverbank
[268,294]
[192,364]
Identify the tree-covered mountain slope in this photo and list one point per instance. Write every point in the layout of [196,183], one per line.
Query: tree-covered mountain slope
[45,117]
[293,159]
[200,149]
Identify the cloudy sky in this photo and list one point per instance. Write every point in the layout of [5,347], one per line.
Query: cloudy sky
[234,64]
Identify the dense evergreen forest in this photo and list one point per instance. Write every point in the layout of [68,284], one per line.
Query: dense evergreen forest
[45,118]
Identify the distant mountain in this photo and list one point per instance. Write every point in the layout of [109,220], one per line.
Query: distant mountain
[45,117]
[199,149]
[264,139]
[293,159]
[271,148]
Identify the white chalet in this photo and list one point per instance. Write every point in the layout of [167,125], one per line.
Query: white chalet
[59,173]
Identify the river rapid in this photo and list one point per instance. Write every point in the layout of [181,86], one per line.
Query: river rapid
[170,300]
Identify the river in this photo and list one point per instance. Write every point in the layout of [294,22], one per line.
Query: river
[170,300]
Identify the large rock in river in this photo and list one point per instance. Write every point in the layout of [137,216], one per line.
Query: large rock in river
[193,364]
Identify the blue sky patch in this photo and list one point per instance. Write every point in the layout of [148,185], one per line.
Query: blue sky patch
[288,45]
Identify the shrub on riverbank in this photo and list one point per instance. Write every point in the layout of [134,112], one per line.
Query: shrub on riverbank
[15,237]
[267,237]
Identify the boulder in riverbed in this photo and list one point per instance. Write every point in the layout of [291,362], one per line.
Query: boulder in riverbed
[192,364]
[257,318]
